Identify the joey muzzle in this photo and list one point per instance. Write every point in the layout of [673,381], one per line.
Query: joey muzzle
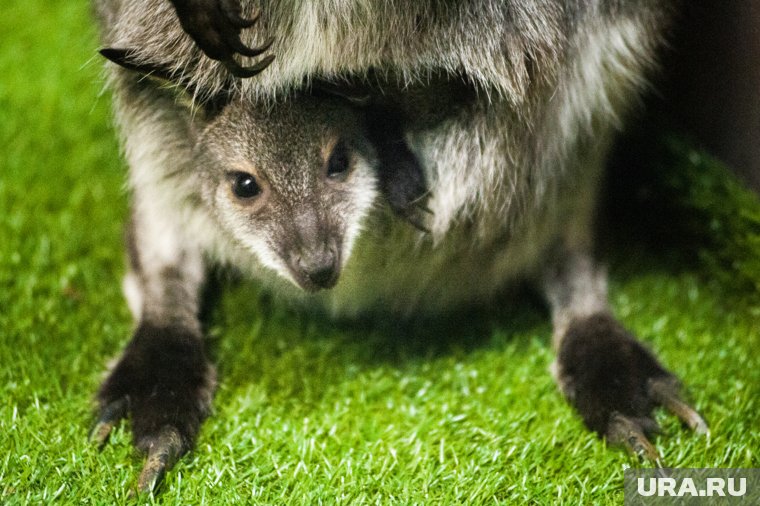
[315,268]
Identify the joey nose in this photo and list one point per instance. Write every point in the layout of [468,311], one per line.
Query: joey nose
[319,269]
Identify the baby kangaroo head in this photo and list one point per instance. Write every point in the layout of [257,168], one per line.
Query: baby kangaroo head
[291,183]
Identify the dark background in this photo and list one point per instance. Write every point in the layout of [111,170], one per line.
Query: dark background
[711,82]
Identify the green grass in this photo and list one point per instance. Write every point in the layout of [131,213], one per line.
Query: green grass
[310,412]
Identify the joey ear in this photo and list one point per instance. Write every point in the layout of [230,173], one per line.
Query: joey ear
[126,58]
[355,93]
[210,103]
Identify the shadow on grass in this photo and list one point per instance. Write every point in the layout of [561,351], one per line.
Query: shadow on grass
[641,223]
[252,335]
[669,208]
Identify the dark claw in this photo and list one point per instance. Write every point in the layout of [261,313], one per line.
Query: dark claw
[232,39]
[215,27]
[665,393]
[244,72]
[253,51]
[109,417]
[162,455]
[231,9]
[624,430]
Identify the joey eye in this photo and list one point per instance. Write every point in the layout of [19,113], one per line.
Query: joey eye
[244,185]
[338,164]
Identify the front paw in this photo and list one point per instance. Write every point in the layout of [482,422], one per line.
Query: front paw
[164,383]
[403,184]
[615,383]
[215,27]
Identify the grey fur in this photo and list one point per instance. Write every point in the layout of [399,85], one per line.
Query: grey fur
[510,177]
[513,168]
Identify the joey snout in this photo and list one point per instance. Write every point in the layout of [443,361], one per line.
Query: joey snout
[317,267]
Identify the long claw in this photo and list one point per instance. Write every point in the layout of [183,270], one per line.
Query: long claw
[665,392]
[239,21]
[244,72]
[109,417]
[253,51]
[231,36]
[162,455]
[625,431]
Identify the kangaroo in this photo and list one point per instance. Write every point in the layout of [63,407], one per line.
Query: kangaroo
[511,161]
